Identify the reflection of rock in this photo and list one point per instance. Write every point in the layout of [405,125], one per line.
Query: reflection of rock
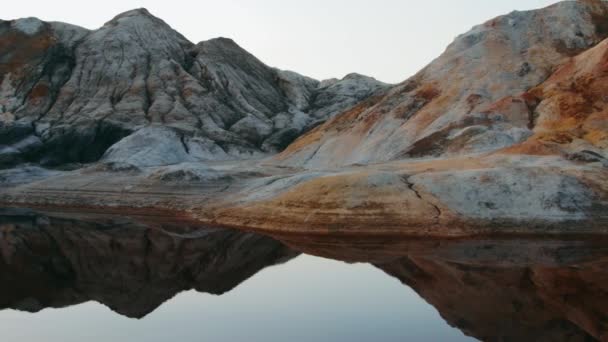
[491,289]
[129,266]
[502,304]
[494,290]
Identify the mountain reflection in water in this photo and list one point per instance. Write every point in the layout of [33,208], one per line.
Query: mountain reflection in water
[542,289]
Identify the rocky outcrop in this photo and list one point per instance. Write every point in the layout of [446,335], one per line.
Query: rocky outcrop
[466,101]
[569,115]
[504,133]
[512,141]
[67,94]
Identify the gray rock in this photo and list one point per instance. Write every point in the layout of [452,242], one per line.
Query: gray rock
[83,91]
[252,129]
[24,174]
[333,97]
[299,89]
[159,145]
[9,156]
[524,194]
[587,156]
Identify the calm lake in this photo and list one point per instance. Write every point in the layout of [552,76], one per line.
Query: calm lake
[87,277]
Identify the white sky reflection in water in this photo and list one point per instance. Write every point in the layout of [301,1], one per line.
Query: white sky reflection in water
[306,299]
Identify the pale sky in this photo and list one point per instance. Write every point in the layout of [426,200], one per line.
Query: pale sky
[386,39]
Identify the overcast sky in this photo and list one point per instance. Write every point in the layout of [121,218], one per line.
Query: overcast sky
[387,39]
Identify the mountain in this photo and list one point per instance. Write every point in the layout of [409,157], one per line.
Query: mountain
[505,132]
[68,94]
[470,99]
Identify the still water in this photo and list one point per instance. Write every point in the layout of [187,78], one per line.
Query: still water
[307,299]
[83,277]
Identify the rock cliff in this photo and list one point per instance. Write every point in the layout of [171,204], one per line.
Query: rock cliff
[504,133]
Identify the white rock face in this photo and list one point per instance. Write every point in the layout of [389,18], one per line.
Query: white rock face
[159,145]
[525,194]
[84,90]
[151,146]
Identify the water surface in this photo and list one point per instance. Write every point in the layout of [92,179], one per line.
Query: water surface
[78,276]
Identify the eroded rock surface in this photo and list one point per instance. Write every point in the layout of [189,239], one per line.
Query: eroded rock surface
[504,133]
[67,94]
[469,99]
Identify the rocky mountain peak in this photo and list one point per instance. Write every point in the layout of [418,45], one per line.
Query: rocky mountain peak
[138,17]
[222,43]
[86,90]
[356,76]
[136,12]
[141,32]
[448,108]
[28,26]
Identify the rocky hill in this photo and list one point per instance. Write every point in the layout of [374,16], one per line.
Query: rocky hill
[505,132]
[473,98]
[68,94]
